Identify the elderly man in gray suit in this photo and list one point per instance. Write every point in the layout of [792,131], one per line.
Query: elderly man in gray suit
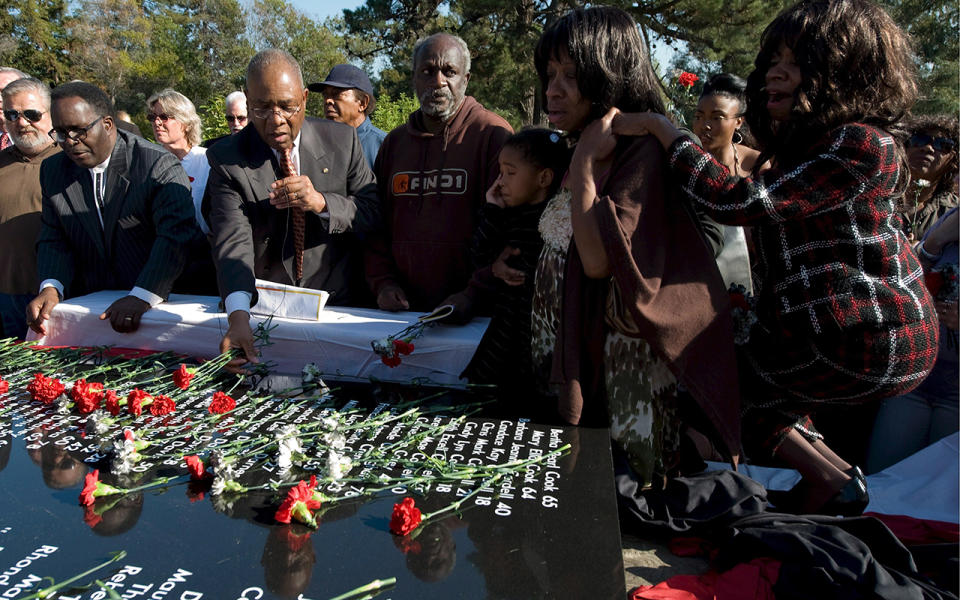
[116,213]
[286,197]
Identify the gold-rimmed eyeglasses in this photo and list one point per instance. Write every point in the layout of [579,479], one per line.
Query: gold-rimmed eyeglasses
[283,111]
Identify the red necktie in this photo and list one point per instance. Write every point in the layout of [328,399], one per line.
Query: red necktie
[296,216]
[5,141]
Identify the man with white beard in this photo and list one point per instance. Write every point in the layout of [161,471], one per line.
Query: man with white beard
[26,111]
[433,173]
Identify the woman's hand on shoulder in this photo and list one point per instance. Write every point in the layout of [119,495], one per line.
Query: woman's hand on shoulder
[637,124]
[597,142]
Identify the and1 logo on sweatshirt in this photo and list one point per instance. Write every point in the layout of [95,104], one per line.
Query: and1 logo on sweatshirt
[438,181]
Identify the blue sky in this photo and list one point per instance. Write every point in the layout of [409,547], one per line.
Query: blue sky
[325,8]
[334,8]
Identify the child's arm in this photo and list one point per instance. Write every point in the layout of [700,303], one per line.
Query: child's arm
[488,236]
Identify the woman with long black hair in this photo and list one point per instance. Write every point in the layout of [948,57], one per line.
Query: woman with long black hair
[628,302]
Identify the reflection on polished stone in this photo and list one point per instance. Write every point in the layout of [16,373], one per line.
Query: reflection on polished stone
[549,532]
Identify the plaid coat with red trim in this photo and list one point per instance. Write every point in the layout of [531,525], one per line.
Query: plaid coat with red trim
[835,270]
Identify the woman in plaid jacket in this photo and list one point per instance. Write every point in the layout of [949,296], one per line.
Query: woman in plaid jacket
[843,315]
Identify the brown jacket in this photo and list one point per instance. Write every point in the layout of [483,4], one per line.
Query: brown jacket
[431,187]
[20,219]
[670,283]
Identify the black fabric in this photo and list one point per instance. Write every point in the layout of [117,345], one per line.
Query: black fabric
[700,503]
[939,562]
[828,557]
[822,557]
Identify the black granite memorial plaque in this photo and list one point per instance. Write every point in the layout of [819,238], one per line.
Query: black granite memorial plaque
[549,530]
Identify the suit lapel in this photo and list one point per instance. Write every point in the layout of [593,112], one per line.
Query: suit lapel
[79,194]
[117,184]
[311,151]
[262,165]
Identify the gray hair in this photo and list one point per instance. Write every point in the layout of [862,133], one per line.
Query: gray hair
[233,98]
[28,84]
[426,41]
[180,108]
[270,57]
[20,74]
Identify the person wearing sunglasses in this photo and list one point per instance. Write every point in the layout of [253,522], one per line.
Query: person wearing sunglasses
[177,127]
[116,213]
[932,156]
[26,104]
[235,113]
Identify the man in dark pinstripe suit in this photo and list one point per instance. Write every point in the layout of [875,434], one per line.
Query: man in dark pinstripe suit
[116,213]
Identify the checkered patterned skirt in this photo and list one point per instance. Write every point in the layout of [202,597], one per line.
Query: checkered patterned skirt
[785,377]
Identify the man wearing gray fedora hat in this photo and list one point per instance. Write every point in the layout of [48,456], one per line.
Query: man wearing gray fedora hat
[348,98]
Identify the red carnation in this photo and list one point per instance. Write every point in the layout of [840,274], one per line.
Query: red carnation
[197,470]
[934,281]
[182,377]
[299,503]
[111,402]
[391,361]
[405,518]
[135,401]
[89,487]
[93,488]
[4,386]
[738,300]
[687,79]
[402,347]
[45,389]
[162,405]
[87,396]
[221,403]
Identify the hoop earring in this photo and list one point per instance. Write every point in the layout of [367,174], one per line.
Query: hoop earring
[736,135]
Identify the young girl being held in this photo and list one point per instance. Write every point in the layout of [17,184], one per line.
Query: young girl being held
[843,313]
[508,242]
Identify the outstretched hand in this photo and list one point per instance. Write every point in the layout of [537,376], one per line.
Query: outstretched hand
[239,336]
[40,308]
[125,313]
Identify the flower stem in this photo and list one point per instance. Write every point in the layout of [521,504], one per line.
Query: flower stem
[45,592]
[371,589]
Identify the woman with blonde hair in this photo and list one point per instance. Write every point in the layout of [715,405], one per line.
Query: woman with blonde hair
[177,128]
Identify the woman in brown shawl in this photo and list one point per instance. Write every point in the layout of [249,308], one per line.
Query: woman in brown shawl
[635,305]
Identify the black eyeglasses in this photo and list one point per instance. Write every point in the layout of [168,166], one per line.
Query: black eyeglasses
[237,119]
[30,114]
[940,144]
[163,117]
[76,135]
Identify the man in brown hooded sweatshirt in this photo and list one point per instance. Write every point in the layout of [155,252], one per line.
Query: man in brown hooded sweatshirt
[432,176]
